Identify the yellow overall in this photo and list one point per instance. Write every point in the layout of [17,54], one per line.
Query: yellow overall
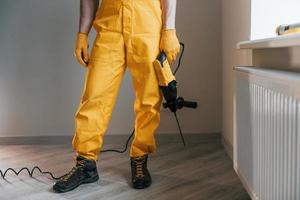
[128,35]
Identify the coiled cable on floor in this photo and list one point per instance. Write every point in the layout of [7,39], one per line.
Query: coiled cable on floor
[31,172]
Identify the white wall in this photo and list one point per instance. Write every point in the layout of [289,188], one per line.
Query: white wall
[41,84]
[268,14]
[236,24]
[245,20]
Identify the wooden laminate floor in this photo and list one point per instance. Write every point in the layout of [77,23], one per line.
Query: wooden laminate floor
[200,171]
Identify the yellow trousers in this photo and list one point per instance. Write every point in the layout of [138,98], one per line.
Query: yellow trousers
[128,35]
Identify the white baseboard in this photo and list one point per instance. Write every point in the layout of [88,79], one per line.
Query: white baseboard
[250,191]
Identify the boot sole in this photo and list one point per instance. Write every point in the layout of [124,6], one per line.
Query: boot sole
[141,186]
[91,180]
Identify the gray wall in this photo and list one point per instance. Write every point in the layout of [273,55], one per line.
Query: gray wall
[236,26]
[41,84]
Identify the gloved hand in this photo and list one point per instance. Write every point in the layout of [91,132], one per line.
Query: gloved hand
[169,44]
[81,51]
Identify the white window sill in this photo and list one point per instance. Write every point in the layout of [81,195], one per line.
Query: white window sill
[275,42]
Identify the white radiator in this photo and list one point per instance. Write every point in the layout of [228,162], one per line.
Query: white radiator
[267,132]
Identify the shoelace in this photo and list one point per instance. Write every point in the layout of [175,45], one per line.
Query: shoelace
[139,161]
[79,164]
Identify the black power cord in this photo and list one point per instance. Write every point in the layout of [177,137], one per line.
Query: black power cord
[125,148]
[30,172]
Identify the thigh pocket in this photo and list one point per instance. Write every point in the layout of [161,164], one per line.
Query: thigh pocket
[145,48]
[108,47]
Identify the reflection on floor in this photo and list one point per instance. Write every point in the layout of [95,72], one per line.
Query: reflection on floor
[200,171]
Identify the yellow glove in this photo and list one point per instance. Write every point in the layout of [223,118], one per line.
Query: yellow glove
[169,44]
[81,52]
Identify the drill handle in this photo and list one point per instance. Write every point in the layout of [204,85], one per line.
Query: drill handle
[190,104]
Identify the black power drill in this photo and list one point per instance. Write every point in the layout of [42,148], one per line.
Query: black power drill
[168,86]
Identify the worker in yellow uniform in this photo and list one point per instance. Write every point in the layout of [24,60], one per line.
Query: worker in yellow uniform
[130,33]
